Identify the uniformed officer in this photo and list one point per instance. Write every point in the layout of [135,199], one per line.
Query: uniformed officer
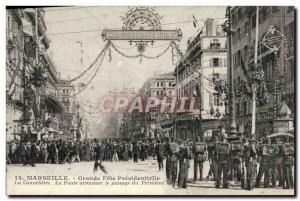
[263,164]
[236,160]
[250,158]
[168,153]
[184,156]
[172,149]
[160,153]
[222,157]
[276,167]
[199,152]
[212,156]
[288,163]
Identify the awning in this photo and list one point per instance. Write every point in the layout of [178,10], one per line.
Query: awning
[281,134]
[55,104]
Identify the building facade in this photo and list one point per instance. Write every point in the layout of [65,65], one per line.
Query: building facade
[31,76]
[203,64]
[277,68]
[69,119]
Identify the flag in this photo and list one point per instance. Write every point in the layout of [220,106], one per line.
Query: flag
[195,21]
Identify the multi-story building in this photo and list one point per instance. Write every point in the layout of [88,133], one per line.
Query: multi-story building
[31,76]
[69,119]
[204,62]
[277,68]
[162,85]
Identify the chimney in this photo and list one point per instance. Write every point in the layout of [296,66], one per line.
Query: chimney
[209,26]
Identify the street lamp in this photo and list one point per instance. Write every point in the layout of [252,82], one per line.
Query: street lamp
[227,29]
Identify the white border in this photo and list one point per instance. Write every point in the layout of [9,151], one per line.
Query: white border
[3,3]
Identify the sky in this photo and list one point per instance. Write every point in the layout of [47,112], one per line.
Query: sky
[68,25]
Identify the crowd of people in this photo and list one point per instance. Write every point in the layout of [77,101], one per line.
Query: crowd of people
[60,151]
[246,160]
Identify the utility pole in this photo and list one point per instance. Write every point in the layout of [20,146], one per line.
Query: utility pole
[232,125]
[198,88]
[254,84]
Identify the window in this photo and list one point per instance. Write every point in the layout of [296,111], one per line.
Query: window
[238,58]
[215,62]
[247,28]
[290,9]
[214,44]
[238,34]
[157,84]
[253,21]
[245,53]
[216,75]
[170,93]
[244,108]
[238,112]
[157,93]
[161,84]
[263,14]
[275,9]
[170,84]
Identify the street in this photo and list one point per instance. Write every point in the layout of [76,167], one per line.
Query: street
[78,171]
[201,82]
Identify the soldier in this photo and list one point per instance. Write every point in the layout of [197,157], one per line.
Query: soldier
[173,162]
[276,167]
[288,162]
[184,156]
[236,161]
[263,164]
[212,156]
[199,150]
[222,157]
[250,155]
[160,153]
[168,153]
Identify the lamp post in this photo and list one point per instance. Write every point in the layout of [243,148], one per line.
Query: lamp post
[227,29]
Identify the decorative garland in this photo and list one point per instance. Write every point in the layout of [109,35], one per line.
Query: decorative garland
[103,52]
[141,55]
[92,65]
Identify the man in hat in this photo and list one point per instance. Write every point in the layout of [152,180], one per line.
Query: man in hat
[136,151]
[263,164]
[98,157]
[160,154]
[184,156]
[288,163]
[199,150]
[222,157]
[33,154]
[211,155]
[250,155]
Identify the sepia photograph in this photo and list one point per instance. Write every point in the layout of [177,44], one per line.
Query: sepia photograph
[150,100]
